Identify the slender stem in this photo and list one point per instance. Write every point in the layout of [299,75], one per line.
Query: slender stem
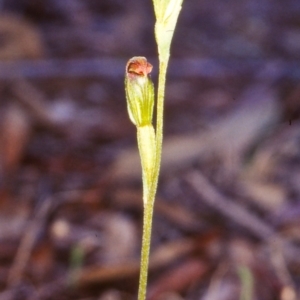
[159,123]
[147,227]
[148,208]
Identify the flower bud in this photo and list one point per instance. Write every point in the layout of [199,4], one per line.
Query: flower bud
[139,91]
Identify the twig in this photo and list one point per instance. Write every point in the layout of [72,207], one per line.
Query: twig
[27,243]
[34,101]
[211,196]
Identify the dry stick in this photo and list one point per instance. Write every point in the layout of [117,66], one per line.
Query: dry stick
[35,102]
[27,243]
[240,215]
[281,269]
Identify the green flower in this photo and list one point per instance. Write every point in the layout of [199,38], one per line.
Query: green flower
[139,91]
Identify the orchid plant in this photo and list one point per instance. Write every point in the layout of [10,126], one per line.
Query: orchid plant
[140,97]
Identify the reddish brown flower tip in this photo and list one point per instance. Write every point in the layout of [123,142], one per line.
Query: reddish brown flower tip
[139,91]
[138,65]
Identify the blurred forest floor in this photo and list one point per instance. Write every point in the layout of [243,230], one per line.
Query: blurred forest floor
[227,215]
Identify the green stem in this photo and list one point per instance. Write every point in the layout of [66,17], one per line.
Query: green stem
[147,227]
[246,278]
[159,123]
[149,203]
